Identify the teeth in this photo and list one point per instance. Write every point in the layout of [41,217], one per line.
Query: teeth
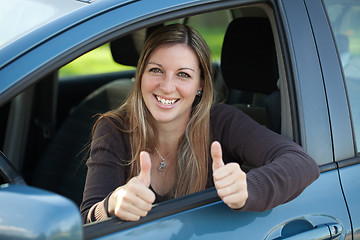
[165,101]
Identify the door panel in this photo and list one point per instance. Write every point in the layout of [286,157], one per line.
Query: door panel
[320,204]
[350,181]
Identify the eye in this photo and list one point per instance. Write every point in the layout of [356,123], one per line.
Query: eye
[183,75]
[155,70]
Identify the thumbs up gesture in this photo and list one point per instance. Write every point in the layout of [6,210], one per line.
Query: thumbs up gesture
[134,199]
[145,169]
[229,179]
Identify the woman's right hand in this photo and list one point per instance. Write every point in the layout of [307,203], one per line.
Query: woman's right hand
[134,199]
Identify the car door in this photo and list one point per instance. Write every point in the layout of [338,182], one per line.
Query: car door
[340,29]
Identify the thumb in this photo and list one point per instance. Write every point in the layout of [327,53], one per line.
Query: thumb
[216,155]
[145,168]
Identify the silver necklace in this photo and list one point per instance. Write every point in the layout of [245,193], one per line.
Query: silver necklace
[162,163]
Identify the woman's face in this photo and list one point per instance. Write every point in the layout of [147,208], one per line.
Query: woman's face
[170,83]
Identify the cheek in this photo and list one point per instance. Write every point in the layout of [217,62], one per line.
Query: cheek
[146,85]
[189,90]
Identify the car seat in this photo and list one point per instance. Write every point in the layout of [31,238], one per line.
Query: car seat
[250,71]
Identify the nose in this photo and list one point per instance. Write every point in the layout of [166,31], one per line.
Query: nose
[167,84]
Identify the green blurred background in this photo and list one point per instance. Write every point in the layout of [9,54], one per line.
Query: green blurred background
[211,27]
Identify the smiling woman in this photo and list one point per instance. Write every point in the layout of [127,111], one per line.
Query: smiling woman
[145,117]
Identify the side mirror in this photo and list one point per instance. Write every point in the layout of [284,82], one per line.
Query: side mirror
[31,213]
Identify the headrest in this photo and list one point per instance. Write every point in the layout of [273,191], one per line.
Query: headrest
[248,58]
[126,50]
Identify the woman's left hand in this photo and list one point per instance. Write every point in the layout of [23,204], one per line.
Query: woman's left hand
[229,179]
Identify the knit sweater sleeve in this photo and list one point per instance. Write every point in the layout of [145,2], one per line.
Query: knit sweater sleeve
[106,170]
[282,168]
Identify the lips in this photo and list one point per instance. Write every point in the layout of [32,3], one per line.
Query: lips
[166,101]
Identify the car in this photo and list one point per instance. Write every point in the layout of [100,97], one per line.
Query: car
[293,66]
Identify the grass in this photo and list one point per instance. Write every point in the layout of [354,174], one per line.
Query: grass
[98,60]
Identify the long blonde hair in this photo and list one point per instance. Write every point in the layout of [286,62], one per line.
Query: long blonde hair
[193,149]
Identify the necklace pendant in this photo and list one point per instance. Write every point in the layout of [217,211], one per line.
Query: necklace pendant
[162,166]
[162,163]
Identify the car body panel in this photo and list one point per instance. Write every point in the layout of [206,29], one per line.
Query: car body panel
[216,220]
[350,181]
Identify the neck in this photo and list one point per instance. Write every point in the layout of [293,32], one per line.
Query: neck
[168,136]
[167,140]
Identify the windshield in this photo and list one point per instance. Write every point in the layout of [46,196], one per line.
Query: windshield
[18,17]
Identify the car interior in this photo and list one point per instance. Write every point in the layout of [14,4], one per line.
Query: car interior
[48,126]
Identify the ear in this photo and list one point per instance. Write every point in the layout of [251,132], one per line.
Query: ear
[202,82]
[200,89]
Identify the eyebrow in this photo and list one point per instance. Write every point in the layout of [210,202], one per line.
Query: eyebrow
[158,64]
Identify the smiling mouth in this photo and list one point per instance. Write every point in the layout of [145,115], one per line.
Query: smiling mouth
[166,101]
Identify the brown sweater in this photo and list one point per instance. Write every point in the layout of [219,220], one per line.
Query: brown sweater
[283,170]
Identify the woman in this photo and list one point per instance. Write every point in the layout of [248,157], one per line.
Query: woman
[168,140]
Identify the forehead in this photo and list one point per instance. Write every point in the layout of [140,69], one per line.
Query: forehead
[178,53]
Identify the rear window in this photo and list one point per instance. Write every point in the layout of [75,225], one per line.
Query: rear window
[344,18]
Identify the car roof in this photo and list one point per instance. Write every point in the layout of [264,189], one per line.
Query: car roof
[18,17]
